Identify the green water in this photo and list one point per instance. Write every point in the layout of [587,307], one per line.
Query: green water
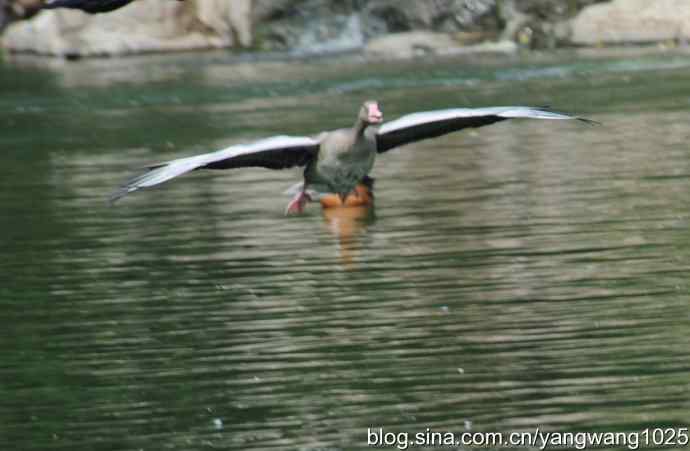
[524,275]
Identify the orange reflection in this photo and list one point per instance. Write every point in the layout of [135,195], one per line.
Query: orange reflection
[348,220]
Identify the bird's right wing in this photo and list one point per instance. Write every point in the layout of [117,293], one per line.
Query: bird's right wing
[430,124]
[278,152]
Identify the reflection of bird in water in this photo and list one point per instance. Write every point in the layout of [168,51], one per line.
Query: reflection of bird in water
[348,224]
[338,160]
[89,6]
[346,219]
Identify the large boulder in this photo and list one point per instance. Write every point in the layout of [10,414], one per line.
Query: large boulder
[143,26]
[632,21]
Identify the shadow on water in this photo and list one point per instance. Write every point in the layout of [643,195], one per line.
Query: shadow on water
[516,276]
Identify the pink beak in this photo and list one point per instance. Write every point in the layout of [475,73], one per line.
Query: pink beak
[375,114]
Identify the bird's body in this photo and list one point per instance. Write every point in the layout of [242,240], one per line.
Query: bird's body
[337,161]
[345,156]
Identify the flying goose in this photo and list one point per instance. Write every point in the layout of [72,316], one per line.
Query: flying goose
[336,161]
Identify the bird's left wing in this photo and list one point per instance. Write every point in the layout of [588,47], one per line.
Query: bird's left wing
[429,124]
[278,152]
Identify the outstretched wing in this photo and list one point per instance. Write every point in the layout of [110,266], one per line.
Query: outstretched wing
[278,152]
[429,124]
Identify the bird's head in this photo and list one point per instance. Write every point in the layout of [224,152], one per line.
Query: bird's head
[370,113]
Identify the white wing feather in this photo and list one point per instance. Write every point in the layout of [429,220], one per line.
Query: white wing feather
[165,171]
[508,112]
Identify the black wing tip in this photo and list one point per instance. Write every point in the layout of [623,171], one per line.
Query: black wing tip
[548,109]
[117,195]
[130,186]
[587,121]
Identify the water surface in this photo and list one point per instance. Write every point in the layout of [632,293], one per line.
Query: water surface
[527,274]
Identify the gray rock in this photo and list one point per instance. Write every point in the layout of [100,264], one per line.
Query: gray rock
[441,15]
[281,24]
[552,10]
[288,24]
[539,24]
[632,21]
[419,43]
[410,43]
[143,26]
[227,19]
[336,25]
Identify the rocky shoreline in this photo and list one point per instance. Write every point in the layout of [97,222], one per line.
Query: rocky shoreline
[381,28]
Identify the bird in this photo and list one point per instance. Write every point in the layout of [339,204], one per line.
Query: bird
[337,161]
[89,6]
